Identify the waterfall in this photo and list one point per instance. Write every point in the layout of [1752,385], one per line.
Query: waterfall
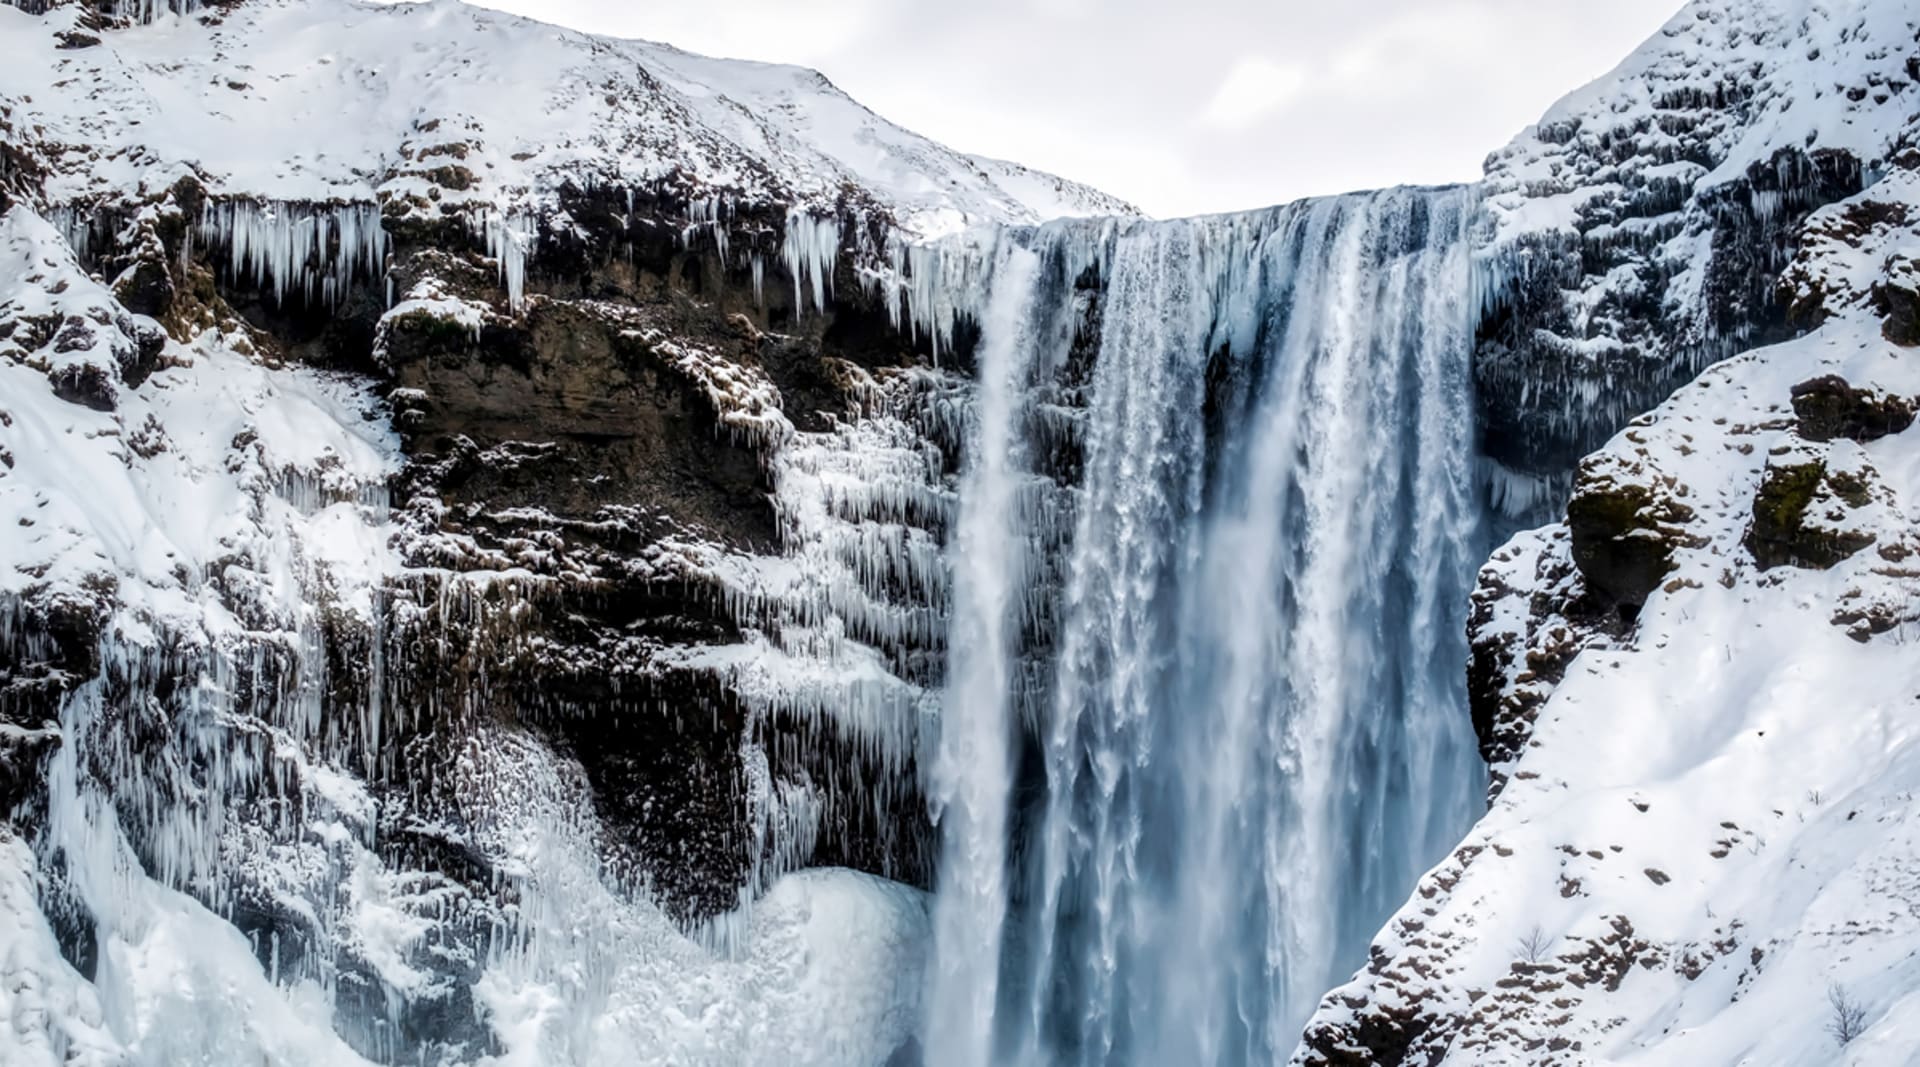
[1253,737]
[972,772]
[1184,566]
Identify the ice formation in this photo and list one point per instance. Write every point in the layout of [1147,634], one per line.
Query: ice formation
[509,238]
[809,251]
[314,252]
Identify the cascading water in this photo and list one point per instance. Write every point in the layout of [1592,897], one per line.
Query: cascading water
[1255,736]
[973,767]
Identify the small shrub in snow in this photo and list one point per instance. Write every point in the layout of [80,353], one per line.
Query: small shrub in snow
[1533,945]
[1849,1017]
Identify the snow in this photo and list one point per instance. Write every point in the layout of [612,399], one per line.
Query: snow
[186,468]
[1797,59]
[349,103]
[1638,228]
[430,297]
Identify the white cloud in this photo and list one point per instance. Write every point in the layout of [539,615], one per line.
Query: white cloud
[1144,99]
[1253,89]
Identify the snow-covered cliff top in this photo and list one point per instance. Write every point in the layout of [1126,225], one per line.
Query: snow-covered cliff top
[340,100]
[1723,86]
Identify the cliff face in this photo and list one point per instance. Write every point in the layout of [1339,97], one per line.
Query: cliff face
[475,480]
[1638,232]
[1696,698]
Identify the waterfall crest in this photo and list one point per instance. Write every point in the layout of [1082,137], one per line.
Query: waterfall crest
[1243,733]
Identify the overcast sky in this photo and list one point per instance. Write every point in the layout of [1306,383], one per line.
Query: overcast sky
[1181,106]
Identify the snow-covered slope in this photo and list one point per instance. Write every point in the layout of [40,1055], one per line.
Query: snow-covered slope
[441,105]
[1702,697]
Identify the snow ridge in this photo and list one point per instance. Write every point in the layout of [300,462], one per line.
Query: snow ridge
[442,106]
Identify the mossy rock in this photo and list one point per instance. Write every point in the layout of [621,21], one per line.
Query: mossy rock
[456,178]
[419,334]
[1624,535]
[1781,534]
[146,288]
[417,222]
[1828,407]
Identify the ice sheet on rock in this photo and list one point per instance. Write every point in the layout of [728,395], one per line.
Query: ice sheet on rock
[53,1016]
[826,973]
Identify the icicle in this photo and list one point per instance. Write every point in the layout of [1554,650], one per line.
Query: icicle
[314,252]
[146,11]
[708,213]
[509,237]
[811,249]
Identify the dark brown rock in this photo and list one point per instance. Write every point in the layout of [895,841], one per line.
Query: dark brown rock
[1624,533]
[1828,408]
[1782,534]
[1897,299]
